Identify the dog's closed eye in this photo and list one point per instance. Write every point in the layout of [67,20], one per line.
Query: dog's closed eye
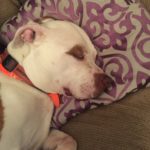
[77,52]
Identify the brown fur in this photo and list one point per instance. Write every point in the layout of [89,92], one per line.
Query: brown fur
[77,52]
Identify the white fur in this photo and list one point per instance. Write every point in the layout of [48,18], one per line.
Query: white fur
[45,60]
[27,111]
[27,115]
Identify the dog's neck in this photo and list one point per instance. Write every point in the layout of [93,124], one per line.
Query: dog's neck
[13,70]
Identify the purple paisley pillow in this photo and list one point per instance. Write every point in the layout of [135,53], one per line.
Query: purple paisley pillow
[119,29]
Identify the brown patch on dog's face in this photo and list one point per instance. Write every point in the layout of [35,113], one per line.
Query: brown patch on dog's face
[77,52]
[1,117]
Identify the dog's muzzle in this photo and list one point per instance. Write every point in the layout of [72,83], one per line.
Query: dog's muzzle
[102,82]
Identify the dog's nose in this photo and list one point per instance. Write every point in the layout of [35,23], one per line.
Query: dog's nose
[102,81]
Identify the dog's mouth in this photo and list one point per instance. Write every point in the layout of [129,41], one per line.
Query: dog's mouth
[67,92]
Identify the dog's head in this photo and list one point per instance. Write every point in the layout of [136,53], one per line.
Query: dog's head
[58,56]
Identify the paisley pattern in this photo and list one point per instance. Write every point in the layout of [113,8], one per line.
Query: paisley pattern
[119,29]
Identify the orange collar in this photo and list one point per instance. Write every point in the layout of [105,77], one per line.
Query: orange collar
[54,97]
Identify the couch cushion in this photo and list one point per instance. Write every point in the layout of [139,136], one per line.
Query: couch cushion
[8,8]
[146,4]
[120,126]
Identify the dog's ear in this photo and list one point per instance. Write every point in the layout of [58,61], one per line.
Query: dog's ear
[28,35]
[25,36]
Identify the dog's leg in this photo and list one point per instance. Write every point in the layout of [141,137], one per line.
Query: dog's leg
[58,140]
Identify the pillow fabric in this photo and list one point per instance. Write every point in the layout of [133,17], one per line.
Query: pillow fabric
[119,29]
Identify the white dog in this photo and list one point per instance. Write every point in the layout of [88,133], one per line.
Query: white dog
[58,57]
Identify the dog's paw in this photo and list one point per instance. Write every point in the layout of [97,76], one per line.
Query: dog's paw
[59,141]
[67,143]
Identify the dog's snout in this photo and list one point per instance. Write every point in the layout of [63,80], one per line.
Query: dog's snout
[102,81]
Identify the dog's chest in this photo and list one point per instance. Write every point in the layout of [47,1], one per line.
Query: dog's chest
[27,114]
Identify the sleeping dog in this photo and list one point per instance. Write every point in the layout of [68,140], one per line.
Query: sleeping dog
[58,57]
